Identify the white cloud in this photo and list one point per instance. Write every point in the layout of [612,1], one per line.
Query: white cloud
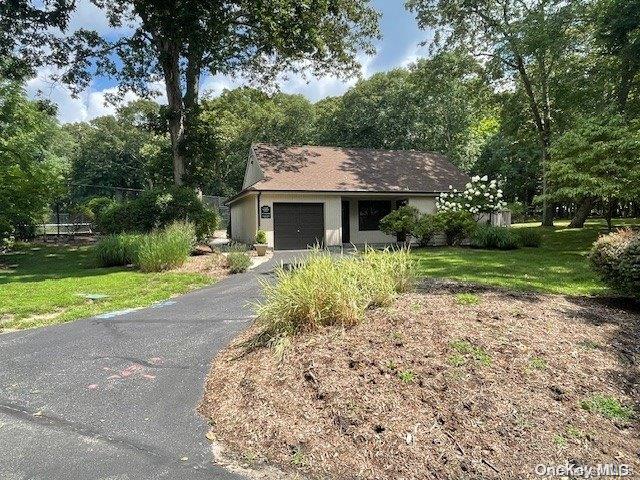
[82,107]
[90,17]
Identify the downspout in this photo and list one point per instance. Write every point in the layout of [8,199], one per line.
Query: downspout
[258,211]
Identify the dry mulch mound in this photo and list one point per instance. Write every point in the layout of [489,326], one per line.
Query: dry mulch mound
[437,388]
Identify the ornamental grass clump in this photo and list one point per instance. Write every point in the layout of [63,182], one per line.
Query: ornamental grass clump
[325,290]
[117,250]
[495,238]
[167,248]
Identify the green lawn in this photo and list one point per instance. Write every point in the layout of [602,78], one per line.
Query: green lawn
[43,285]
[558,266]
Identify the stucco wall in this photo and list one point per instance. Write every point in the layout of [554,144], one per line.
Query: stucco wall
[332,214]
[244,216]
[244,219]
[423,204]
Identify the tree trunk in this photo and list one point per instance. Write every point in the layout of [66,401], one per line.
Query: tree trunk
[170,61]
[543,128]
[582,213]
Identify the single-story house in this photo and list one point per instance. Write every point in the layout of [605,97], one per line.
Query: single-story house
[305,195]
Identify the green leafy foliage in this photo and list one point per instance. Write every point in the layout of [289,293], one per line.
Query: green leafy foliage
[456,226]
[261,237]
[401,221]
[597,159]
[159,208]
[616,258]
[32,162]
[425,229]
[499,238]
[238,261]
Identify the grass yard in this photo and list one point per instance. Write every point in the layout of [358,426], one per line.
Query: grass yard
[559,266]
[43,285]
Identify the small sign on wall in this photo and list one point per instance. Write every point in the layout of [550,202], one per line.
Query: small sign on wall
[265,211]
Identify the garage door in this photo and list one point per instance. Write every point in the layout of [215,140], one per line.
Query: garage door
[297,225]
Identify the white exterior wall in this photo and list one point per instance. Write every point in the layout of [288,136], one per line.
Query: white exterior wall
[332,214]
[424,204]
[244,218]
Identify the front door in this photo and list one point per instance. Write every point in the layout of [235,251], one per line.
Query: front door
[297,226]
[346,225]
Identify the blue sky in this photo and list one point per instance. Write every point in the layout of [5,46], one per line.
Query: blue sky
[399,46]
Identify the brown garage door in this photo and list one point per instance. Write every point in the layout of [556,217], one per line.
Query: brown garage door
[297,225]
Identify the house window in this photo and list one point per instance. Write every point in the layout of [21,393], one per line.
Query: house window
[370,212]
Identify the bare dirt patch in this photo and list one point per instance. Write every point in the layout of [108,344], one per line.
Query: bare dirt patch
[213,265]
[487,384]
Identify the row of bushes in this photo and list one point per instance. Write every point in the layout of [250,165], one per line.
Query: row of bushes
[616,258]
[154,209]
[325,290]
[159,250]
[456,227]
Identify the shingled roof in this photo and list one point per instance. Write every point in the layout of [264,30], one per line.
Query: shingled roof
[329,169]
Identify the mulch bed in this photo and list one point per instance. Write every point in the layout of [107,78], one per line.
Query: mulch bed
[435,389]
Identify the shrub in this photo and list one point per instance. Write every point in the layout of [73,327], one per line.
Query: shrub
[616,258]
[400,222]
[97,205]
[328,291]
[456,226]
[529,237]
[120,217]
[165,249]
[496,238]
[158,208]
[261,237]
[238,262]
[425,229]
[117,250]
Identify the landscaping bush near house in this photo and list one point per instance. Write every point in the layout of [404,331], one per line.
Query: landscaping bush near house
[165,249]
[400,222]
[495,238]
[238,262]
[117,250]
[325,290]
[528,237]
[425,229]
[616,258]
[457,226]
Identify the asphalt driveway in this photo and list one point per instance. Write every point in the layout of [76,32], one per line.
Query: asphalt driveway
[114,396]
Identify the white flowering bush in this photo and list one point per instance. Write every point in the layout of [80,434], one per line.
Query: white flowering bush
[479,196]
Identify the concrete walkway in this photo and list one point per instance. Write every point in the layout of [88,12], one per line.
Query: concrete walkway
[114,396]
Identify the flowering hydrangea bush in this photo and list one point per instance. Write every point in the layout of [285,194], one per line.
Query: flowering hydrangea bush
[479,196]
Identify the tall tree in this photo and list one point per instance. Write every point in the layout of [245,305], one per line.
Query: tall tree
[26,30]
[527,39]
[617,32]
[177,41]
[32,161]
[598,160]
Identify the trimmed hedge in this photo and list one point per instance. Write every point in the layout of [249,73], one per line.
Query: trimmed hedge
[616,258]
